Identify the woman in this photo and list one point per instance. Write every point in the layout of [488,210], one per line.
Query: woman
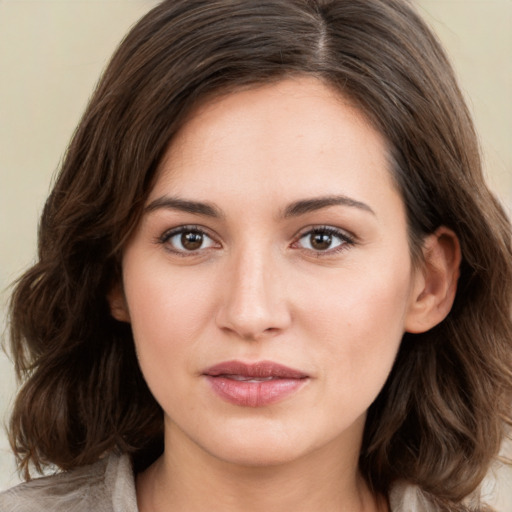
[270,274]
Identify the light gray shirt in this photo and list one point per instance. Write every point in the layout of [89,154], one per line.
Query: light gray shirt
[109,486]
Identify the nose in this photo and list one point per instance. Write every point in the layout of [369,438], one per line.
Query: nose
[254,303]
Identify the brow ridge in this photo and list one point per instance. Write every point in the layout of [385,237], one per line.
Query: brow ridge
[295,209]
[304,206]
[185,205]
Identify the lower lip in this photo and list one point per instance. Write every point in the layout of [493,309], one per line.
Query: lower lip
[254,394]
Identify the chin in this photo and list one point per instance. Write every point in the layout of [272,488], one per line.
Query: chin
[255,455]
[265,444]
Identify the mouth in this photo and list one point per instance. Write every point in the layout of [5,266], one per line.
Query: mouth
[254,385]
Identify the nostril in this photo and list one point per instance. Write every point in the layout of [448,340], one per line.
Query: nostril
[251,329]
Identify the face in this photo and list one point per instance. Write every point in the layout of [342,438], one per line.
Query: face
[269,282]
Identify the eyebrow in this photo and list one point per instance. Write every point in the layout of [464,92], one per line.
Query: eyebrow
[295,209]
[184,205]
[310,205]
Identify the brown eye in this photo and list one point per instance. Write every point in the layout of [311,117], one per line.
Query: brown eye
[326,239]
[191,240]
[187,240]
[320,241]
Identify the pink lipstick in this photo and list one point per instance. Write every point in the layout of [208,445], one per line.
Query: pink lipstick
[256,384]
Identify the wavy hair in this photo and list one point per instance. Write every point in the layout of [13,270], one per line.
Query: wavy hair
[440,418]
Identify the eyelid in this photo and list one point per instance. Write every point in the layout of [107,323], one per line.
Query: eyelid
[164,238]
[348,239]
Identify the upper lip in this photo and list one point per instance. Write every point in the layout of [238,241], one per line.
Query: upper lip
[260,369]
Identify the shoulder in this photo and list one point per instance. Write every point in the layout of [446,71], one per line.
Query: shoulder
[106,486]
[408,498]
[405,497]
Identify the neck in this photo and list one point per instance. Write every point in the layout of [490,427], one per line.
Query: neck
[186,479]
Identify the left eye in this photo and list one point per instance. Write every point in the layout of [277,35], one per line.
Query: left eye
[188,240]
[323,239]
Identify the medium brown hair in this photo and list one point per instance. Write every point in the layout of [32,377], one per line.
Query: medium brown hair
[442,414]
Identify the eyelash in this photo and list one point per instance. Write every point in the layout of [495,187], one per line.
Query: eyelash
[165,238]
[345,240]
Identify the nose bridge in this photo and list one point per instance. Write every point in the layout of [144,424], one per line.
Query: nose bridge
[254,302]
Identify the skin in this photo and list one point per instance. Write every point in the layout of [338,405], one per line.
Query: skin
[257,288]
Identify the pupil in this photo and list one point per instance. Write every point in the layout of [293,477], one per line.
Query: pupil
[191,240]
[321,241]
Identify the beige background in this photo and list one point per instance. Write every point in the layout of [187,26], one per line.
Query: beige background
[52,52]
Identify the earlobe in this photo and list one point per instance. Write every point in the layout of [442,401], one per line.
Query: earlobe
[436,281]
[117,303]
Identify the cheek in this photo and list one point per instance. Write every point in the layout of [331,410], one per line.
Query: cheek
[162,300]
[358,320]
[168,311]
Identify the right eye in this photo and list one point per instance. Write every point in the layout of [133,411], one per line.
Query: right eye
[187,239]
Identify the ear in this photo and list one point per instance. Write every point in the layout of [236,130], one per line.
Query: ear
[117,303]
[435,282]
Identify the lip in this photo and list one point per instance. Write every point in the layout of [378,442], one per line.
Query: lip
[254,384]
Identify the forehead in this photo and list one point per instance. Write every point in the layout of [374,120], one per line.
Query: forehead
[298,133]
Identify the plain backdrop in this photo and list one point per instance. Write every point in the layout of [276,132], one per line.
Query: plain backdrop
[52,53]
